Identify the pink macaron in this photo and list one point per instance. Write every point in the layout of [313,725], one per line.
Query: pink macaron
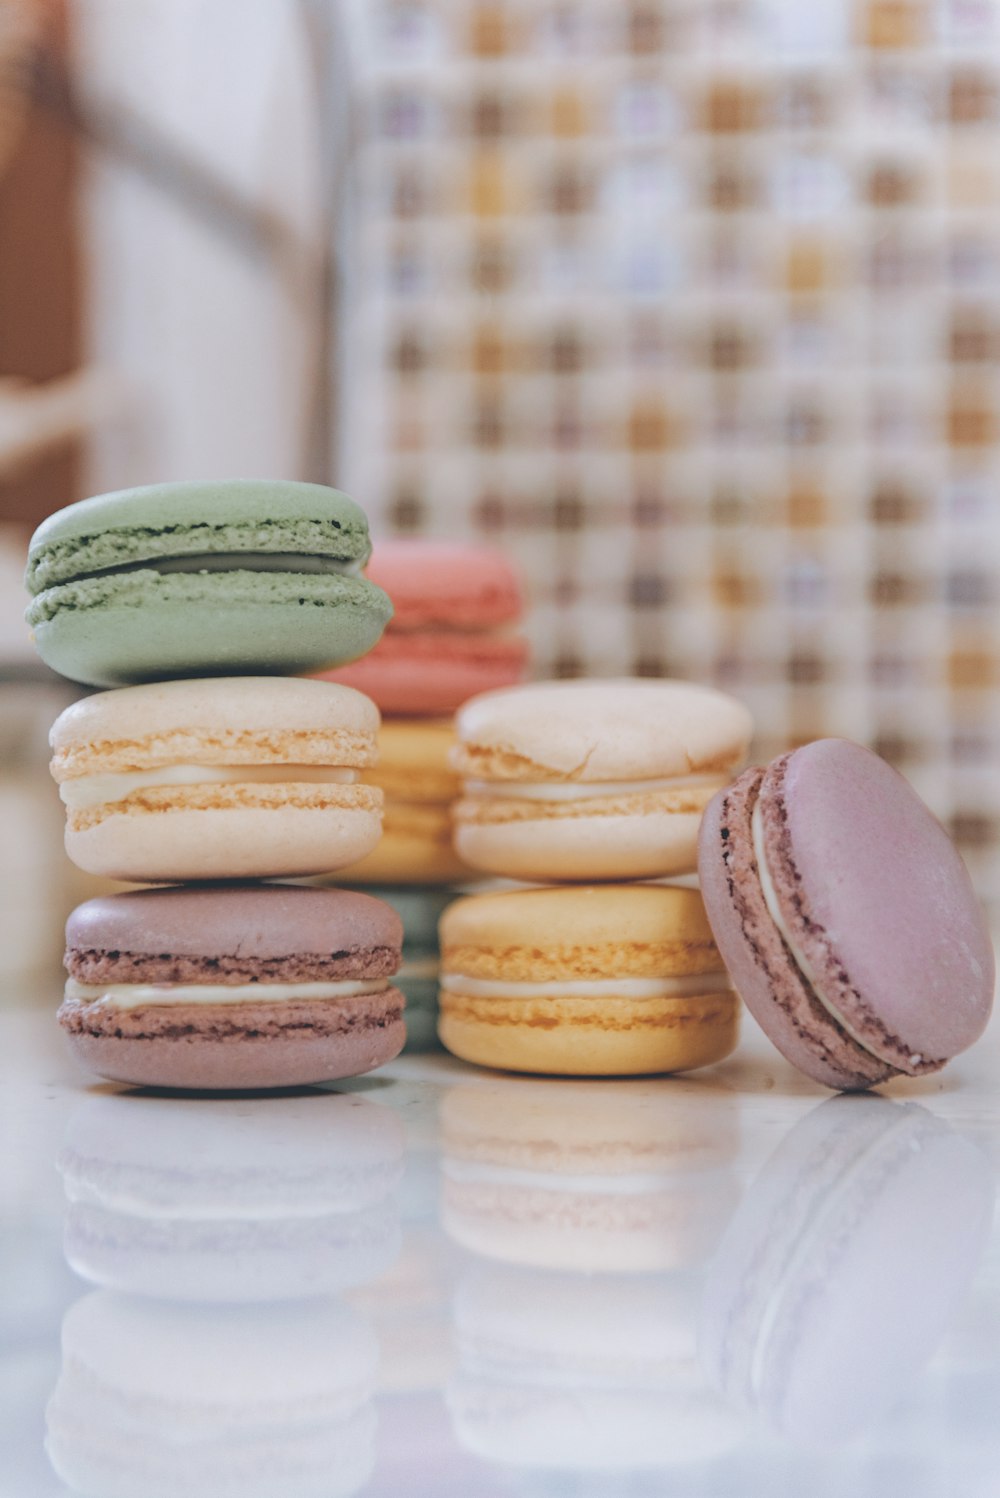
[845,916]
[452,632]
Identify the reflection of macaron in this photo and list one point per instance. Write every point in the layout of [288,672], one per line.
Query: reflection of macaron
[846,917]
[280,1199]
[592,779]
[450,635]
[419,789]
[601,980]
[199,578]
[234,986]
[585,1373]
[155,1400]
[841,1269]
[236,778]
[629,1178]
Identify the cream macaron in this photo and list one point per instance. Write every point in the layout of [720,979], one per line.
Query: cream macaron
[217,778]
[619,979]
[592,780]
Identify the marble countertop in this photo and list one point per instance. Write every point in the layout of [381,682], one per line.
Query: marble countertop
[443,1281]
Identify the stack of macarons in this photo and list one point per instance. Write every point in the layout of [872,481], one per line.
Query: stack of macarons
[834,902]
[206,762]
[453,635]
[578,784]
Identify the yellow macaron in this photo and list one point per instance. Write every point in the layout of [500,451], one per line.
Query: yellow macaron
[419,788]
[598,980]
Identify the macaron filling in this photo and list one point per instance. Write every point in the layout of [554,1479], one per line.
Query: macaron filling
[236,561]
[795,951]
[143,995]
[86,791]
[577,790]
[695,985]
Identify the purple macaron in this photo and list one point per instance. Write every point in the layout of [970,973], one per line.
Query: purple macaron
[233,986]
[845,916]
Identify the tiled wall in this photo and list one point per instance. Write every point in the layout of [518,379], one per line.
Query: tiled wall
[695,307]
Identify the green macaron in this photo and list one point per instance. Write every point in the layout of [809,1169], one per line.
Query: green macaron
[200,579]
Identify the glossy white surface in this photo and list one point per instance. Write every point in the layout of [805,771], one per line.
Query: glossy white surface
[442,1281]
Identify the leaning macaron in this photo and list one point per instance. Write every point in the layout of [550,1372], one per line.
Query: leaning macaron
[594,981]
[592,779]
[218,778]
[451,634]
[233,987]
[211,578]
[846,917]
[420,789]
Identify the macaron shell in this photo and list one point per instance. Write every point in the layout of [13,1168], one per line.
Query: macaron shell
[757,959]
[195,517]
[628,729]
[610,1036]
[246,923]
[267,841]
[338,1039]
[415,848]
[113,630]
[582,847]
[435,584]
[235,720]
[879,902]
[429,674]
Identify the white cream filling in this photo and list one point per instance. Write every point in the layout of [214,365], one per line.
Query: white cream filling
[97,790]
[579,790]
[624,1184]
[695,985]
[798,956]
[243,561]
[138,995]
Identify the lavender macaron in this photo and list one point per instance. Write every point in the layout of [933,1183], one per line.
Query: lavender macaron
[234,986]
[845,916]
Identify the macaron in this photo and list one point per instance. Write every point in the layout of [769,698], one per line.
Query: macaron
[420,789]
[451,634]
[212,578]
[600,980]
[156,1399]
[226,778]
[862,1231]
[846,917]
[282,1198]
[627,1178]
[236,987]
[586,780]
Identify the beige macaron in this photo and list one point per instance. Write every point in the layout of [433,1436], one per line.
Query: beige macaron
[583,780]
[217,778]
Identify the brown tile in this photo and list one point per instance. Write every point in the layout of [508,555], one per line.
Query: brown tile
[493,31]
[891,25]
[972,668]
[972,419]
[973,97]
[732,106]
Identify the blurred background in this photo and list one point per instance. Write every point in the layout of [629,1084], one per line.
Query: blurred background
[693,306]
